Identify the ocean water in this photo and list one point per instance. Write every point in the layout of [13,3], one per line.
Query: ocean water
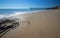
[10,12]
[13,12]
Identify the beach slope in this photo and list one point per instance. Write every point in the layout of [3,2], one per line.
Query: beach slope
[45,24]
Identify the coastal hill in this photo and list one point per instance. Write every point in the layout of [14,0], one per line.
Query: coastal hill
[55,7]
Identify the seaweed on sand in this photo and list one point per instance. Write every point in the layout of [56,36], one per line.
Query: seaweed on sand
[6,25]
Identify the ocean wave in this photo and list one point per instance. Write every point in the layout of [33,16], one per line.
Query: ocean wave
[15,14]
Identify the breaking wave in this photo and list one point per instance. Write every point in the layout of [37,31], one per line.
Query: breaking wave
[13,15]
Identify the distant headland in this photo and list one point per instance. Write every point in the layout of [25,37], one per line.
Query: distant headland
[55,7]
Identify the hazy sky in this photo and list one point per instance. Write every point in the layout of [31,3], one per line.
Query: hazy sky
[8,4]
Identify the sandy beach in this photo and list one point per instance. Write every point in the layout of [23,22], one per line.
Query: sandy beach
[45,24]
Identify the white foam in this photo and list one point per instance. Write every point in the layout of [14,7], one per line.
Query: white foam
[2,16]
[15,14]
[11,15]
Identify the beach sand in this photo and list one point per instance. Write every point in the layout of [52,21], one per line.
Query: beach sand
[44,24]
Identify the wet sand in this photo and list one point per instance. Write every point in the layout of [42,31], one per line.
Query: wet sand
[44,24]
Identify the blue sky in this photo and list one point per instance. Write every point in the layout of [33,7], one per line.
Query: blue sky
[18,4]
